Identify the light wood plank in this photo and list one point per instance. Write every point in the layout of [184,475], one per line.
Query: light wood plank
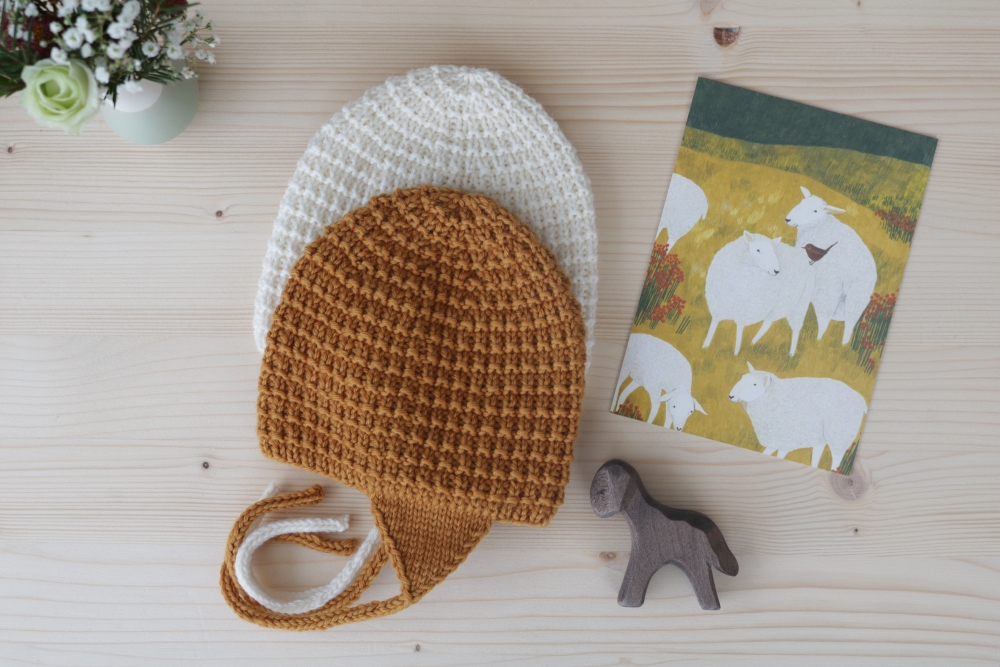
[127,362]
[158,604]
[99,434]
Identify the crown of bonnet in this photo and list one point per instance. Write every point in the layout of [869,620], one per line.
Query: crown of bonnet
[429,352]
[455,127]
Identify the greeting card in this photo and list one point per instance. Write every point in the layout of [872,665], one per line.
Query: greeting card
[774,273]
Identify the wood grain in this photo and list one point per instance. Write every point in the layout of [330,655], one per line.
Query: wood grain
[127,278]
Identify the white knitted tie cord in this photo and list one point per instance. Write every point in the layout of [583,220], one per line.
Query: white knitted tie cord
[455,127]
[314,598]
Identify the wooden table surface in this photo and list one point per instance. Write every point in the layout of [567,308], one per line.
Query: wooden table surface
[128,369]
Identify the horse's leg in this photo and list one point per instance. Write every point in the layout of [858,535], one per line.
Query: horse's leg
[637,577]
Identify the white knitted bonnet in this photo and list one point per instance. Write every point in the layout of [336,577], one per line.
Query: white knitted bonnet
[455,127]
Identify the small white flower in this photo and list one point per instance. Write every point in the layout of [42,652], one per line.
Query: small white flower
[211,58]
[11,30]
[130,10]
[201,54]
[86,50]
[129,38]
[176,35]
[150,48]
[132,86]
[175,52]
[72,39]
[117,30]
[115,51]
[67,7]
[188,73]
[59,56]
[55,27]
[103,5]
[87,5]
[101,74]
[84,28]
[31,11]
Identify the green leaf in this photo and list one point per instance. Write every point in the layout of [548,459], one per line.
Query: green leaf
[11,64]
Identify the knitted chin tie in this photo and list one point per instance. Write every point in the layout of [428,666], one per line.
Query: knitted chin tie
[319,618]
[304,532]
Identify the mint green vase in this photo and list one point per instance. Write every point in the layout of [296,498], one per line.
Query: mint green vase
[154,115]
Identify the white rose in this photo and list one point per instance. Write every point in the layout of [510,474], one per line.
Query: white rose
[57,95]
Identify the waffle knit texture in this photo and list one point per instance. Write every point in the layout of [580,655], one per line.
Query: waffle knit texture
[429,352]
[454,127]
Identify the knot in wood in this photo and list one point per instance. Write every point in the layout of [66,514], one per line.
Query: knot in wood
[851,487]
[726,36]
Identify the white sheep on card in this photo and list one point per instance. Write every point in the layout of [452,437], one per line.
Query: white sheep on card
[794,413]
[686,205]
[845,274]
[665,374]
[758,279]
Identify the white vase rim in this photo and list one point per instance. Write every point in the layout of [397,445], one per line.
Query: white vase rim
[133,102]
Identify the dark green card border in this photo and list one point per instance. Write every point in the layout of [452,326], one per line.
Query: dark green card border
[739,113]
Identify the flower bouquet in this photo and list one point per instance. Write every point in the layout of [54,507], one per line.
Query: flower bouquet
[67,56]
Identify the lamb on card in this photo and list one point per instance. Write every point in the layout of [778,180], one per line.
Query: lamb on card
[794,413]
[846,274]
[685,206]
[758,279]
[665,374]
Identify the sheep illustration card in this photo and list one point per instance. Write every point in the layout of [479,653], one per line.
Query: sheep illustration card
[774,273]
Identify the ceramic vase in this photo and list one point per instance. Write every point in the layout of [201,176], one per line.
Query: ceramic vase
[155,114]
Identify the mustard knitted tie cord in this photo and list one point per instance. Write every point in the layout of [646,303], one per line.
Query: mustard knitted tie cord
[428,351]
[338,610]
[302,531]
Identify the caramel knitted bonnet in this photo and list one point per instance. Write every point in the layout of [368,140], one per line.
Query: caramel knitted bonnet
[446,126]
[428,351]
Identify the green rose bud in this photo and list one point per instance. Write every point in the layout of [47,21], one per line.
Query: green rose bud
[60,96]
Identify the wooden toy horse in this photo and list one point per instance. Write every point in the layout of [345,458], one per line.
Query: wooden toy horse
[660,535]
